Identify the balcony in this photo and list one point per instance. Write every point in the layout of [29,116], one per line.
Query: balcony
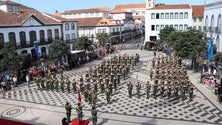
[115,33]
[211,29]
[217,29]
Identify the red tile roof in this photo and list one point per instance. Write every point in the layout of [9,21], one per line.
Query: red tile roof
[142,18]
[87,21]
[97,9]
[123,8]
[175,6]
[198,10]
[130,6]
[17,19]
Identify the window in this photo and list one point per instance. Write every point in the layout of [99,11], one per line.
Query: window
[194,19]
[16,8]
[157,27]
[167,15]
[10,8]
[56,31]
[113,30]
[67,37]
[99,30]
[199,27]
[185,27]
[32,37]
[91,14]
[171,15]
[12,37]
[186,15]
[73,36]
[104,30]
[152,15]
[49,34]
[157,15]
[194,27]
[176,15]
[181,27]
[67,26]
[161,27]
[152,27]
[162,15]
[42,36]
[2,40]
[97,14]
[176,27]
[22,38]
[201,19]
[181,15]
[171,25]
[166,25]
[72,26]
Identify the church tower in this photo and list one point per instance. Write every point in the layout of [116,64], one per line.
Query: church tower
[150,4]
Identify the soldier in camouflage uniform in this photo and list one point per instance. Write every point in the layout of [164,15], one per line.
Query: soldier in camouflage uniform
[38,80]
[74,85]
[68,84]
[52,80]
[56,84]
[148,87]
[138,88]
[130,89]
[94,115]
[42,84]
[62,85]
[151,74]
[108,96]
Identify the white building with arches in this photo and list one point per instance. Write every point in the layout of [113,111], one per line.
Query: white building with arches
[212,23]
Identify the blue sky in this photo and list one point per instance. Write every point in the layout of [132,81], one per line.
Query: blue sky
[50,6]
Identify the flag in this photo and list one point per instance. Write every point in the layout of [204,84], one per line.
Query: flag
[79,96]
[210,50]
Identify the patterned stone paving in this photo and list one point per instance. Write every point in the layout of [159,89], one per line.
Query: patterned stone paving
[199,110]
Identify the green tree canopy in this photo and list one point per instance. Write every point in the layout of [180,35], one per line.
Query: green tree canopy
[9,58]
[164,35]
[58,49]
[190,43]
[102,38]
[83,43]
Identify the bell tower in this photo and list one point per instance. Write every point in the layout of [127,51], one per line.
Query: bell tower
[150,4]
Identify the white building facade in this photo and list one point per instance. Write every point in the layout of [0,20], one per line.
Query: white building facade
[176,16]
[26,27]
[212,23]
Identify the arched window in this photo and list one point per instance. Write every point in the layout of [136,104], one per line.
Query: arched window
[56,31]
[73,37]
[12,38]
[2,41]
[73,26]
[42,36]
[22,38]
[206,21]
[67,26]
[67,37]
[49,33]
[32,36]
[219,21]
[212,21]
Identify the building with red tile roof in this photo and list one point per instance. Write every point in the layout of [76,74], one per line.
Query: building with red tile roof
[25,26]
[178,16]
[197,14]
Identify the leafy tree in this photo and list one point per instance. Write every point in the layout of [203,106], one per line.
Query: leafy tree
[58,49]
[164,35]
[102,38]
[83,43]
[190,44]
[9,58]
